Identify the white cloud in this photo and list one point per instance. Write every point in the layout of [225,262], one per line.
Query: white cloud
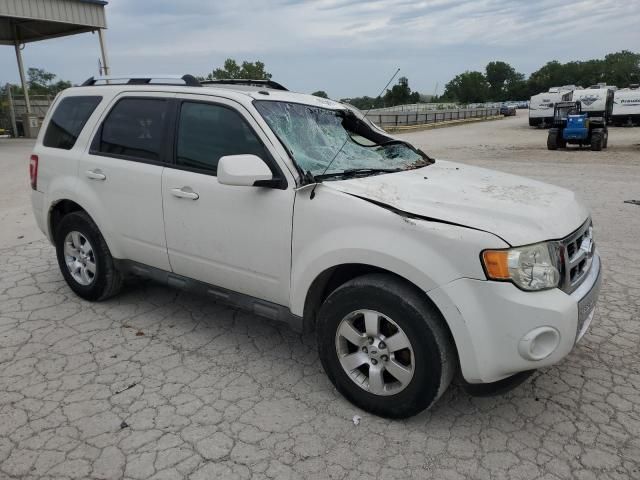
[346,46]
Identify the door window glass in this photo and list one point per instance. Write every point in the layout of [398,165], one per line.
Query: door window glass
[135,128]
[207,132]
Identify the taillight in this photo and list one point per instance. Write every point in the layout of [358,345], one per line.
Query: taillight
[33,171]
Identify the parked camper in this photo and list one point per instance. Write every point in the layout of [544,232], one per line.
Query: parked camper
[596,101]
[626,106]
[541,106]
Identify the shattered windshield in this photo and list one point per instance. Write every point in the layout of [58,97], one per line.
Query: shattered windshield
[314,135]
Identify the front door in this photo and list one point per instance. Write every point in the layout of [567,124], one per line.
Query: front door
[238,238]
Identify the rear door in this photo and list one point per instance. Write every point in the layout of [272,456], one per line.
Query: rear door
[121,174]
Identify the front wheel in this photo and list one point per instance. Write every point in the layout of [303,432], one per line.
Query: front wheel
[597,140]
[552,139]
[384,346]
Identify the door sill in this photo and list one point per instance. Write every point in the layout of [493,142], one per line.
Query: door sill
[257,306]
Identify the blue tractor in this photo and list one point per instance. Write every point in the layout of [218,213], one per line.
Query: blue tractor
[572,126]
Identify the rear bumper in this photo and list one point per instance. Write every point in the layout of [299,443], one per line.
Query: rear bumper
[501,330]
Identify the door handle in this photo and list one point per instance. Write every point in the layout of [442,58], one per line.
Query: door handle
[185,192]
[96,174]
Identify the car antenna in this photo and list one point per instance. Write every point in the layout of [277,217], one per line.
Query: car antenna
[313,190]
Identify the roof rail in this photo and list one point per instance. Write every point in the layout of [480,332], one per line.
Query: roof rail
[246,82]
[189,80]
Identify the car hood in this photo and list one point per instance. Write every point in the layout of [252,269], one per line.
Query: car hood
[517,209]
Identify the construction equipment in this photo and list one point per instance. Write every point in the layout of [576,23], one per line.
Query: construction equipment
[571,125]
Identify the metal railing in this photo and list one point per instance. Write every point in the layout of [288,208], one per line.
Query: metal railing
[387,120]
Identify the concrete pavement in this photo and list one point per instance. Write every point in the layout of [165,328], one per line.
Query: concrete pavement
[159,384]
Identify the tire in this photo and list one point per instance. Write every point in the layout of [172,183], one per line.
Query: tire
[605,141]
[552,139]
[562,143]
[596,140]
[400,309]
[75,231]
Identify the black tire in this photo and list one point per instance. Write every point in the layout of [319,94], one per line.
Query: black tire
[562,143]
[552,139]
[107,279]
[596,140]
[605,140]
[434,354]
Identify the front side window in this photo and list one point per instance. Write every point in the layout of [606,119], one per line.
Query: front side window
[207,132]
[135,128]
[321,137]
[68,120]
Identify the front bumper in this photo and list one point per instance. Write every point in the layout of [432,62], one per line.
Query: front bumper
[501,330]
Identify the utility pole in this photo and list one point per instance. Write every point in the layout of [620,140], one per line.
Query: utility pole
[103,51]
[22,78]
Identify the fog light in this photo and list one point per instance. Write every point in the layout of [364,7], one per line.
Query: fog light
[539,343]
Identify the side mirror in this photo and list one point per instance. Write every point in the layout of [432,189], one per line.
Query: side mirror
[243,170]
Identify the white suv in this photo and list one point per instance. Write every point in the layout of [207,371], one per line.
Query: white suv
[299,209]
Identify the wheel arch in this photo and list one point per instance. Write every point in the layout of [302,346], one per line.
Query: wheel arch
[333,277]
[64,205]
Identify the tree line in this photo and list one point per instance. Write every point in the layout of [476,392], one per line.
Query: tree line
[498,82]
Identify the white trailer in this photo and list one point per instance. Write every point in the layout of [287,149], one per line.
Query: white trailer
[541,105]
[595,101]
[626,106]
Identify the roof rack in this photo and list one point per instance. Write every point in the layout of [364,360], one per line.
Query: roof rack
[189,80]
[246,82]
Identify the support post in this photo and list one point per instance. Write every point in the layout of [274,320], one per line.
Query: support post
[12,112]
[103,50]
[22,78]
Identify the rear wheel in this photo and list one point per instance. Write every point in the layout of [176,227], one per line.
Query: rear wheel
[384,347]
[84,258]
[552,139]
[605,141]
[596,140]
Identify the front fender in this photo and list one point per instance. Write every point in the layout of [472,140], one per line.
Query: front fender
[338,228]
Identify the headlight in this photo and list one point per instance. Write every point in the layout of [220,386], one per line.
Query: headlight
[531,268]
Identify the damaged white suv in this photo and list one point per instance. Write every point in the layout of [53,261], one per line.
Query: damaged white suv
[294,207]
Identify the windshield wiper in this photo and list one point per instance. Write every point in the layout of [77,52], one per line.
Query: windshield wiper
[352,172]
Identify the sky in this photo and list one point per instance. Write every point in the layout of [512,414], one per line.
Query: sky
[345,47]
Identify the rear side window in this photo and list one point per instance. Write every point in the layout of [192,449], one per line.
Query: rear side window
[207,132]
[135,128]
[68,120]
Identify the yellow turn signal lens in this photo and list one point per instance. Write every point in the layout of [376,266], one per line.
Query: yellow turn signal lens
[496,264]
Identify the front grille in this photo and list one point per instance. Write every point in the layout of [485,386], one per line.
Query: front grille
[575,257]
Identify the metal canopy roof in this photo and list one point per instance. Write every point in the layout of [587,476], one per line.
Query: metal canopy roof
[23,21]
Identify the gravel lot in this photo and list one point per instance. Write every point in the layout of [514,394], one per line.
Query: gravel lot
[161,384]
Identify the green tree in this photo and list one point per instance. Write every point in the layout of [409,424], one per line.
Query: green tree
[41,82]
[400,94]
[248,71]
[320,93]
[620,69]
[467,87]
[503,81]
[623,68]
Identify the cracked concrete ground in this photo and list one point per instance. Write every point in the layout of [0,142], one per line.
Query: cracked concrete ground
[160,384]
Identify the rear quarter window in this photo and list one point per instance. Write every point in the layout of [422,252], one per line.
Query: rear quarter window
[68,120]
